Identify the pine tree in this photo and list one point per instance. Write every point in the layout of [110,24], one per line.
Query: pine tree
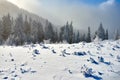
[74,38]
[6,24]
[27,30]
[61,34]
[1,30]
[50,34]
[88,35]
[19,30]
[106,35]
[78,37]
[83,37]
[71,33]
[40,33]
[66,32]
[34,32]
[116,35]
[56,36]
[95,35]
[101,32]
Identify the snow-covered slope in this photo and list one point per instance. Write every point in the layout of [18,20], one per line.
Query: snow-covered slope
[83,61]
[7,7]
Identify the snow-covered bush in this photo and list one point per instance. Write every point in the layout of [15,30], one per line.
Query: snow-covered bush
[80,53]
[101,59]
[118,58]
[36,51]
[88,72]
[97,39]
[93,61]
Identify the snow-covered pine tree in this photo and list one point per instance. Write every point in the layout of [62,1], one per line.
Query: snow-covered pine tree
[49,31]
[106,34]
[40,33]
[88,39]
[34,32]
[61,34]
[56,36]
[19,30]
[1,30]
[117,36]
[6,27]
[83,37]
[27,30]
[78,37]
[71,33]
[74,37]
[66,32]
[101,32]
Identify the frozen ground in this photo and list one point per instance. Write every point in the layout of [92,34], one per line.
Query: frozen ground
[83,61]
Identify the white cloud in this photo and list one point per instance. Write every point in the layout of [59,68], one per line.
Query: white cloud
[26,4]
[107,3]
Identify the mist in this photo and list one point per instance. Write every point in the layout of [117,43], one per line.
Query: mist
[81,14]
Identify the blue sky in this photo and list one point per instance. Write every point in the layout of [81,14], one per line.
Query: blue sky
[77,2]
[92,2]
[68,2]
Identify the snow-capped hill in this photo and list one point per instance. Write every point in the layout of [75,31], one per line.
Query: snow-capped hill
[7,7]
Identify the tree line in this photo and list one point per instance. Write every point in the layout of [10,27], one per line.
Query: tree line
[25,30]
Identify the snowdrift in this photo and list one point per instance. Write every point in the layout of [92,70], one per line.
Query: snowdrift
[83,61]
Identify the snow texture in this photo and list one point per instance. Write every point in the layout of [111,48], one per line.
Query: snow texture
[82,61]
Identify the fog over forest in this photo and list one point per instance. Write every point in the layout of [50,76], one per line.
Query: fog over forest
[73,22]
[83,13]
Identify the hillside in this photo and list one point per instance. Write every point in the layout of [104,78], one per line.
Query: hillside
[7,7]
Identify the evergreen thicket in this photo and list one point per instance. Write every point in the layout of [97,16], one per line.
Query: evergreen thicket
[25,30]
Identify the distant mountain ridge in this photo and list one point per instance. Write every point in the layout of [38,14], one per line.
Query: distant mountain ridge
[7,7]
